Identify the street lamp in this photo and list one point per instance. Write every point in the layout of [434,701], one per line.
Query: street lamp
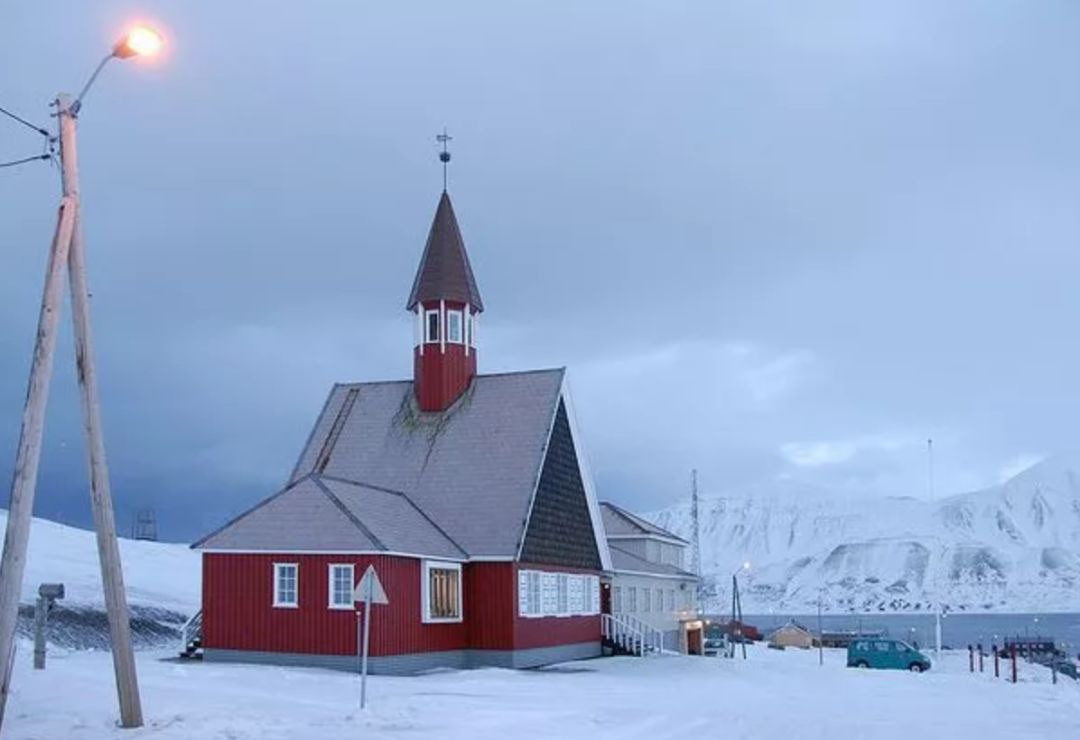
[140,41]
[67,250]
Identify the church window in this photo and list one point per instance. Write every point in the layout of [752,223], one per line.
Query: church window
[432,327]
[441,593]
[453,327]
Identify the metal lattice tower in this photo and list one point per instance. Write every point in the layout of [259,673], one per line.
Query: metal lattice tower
[145,526]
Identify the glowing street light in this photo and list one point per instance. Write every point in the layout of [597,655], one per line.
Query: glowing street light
[141,41]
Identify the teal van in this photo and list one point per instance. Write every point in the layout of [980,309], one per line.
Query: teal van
[885,653]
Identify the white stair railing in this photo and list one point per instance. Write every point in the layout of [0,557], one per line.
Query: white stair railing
[632,634]
[191,631]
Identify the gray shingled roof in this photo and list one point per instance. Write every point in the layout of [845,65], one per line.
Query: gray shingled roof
[623,560]
[619,521]
[393,520]
[444,272]
[463,477]
[317,513]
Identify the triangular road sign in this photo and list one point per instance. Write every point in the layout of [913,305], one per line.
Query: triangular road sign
[369,589]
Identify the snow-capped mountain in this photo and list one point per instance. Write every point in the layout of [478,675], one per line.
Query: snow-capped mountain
[1013,547]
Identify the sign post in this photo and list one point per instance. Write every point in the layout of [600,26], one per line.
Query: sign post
[368,591]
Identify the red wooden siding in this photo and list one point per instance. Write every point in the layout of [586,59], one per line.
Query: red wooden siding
[490,605]
[238,612]
[441,377]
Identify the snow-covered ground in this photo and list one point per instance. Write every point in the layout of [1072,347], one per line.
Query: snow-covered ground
[163,582]
[771,695]
[158,574]
[1009,548]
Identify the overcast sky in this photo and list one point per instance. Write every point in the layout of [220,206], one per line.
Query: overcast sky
[770,240]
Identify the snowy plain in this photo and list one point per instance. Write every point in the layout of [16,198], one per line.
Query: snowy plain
[772,694]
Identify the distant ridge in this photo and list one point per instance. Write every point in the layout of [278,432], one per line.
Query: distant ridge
[1009,548]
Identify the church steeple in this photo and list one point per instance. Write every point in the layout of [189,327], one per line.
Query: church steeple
[447,304]
[444,272]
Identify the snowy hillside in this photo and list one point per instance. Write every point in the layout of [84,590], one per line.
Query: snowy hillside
[1013,547]
[162,582]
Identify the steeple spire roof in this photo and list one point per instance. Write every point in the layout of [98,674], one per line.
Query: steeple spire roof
[444,272]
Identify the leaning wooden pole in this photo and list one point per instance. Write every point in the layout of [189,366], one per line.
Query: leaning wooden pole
[112,577]
[24,481]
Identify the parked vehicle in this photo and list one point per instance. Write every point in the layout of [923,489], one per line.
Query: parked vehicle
[886,653]
[716,642]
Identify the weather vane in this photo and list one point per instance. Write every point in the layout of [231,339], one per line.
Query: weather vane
[444,156]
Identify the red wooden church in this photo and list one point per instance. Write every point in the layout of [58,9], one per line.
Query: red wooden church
[468,493]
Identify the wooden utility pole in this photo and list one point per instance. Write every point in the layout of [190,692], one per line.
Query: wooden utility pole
[24,480]
[112,576]
[68,246]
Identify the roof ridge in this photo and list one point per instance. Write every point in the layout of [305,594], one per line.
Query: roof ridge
[402,494]
[249,510]
[345,510]
[535,371]
[641,522]
[433,523]
[362,484]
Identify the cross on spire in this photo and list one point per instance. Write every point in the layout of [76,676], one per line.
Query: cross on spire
[444,156]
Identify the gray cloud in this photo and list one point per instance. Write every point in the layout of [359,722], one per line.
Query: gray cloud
[742,227]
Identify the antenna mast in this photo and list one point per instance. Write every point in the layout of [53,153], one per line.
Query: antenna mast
[695,551]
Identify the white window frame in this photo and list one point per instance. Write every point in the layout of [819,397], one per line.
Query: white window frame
[425,593]
[631,601]
[577,597]
[474,320]
[530,591]
[536,593]
[616,599]
[541,592]
[451,314]
[330,593]
[428,339]
[562,594]
[278,602]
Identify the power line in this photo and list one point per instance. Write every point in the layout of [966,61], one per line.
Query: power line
[24,122]
[24,160]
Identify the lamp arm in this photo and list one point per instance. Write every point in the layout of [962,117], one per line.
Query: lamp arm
[86,88]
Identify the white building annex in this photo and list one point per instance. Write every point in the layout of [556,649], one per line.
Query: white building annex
[649,582]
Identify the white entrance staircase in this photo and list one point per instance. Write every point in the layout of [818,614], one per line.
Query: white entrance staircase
[630,635]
